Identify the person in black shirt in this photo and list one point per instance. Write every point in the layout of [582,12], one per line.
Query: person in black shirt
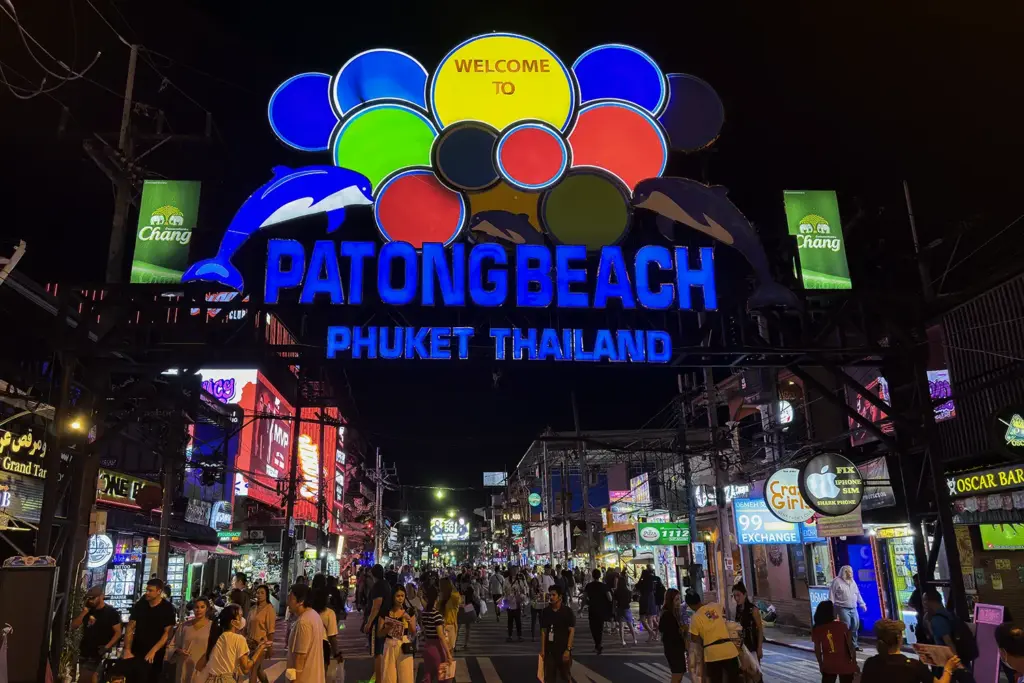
[379,605]
[102,631]
[149,627]
[599,602]
[892,666]
[557,630]
[672,635]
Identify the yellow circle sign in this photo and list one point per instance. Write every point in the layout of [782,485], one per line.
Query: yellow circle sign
[500,79]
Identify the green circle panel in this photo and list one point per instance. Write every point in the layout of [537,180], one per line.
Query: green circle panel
[382,139]
[588,207]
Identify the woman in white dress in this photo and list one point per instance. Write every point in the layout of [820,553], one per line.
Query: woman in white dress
[397,665]
[190,642]
[227,651]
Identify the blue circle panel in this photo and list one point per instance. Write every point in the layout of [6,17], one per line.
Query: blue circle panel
[300,112]
[378,75]
[620,72]
[694,114]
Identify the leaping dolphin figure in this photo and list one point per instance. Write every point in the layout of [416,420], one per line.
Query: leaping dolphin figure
[708,210]
[290,194]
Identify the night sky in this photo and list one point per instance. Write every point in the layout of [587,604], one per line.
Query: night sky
[854,100]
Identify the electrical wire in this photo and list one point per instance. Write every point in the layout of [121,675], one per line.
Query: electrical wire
[23,33]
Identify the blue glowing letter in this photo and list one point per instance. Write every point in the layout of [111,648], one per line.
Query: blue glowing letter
[526,343]
[604,346]
[356,252]
[338,339]
[440,343]
[566,275]
[364,339]
[464,334]
[496,277]
[613,279]
[452,278]
[631,344]
[278,279]
[527,275]
[659,346]
[500,336]
[704,277]
[660,298]
[549,345]
[414,341]
[323,261]
[580,353]
[391,345]
[396,296]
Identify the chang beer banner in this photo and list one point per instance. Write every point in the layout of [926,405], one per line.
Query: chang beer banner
[813,217]
[167,217]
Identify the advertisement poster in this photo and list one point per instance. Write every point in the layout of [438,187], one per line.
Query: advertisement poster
[309,480]
[872,380]
[849,524]
[938,388]
[879,496]
[813,217]
[168,212]
[264,443]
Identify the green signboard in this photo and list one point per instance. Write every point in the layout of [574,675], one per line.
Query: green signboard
[534,499]
[663,533]
[813,217]
[230,535]
[167,216]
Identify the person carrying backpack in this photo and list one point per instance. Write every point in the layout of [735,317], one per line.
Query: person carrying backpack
[948,630]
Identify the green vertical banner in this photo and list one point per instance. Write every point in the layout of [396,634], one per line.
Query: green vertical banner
[813,217]
[167,216]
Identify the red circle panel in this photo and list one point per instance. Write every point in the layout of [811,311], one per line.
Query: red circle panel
[416,208]
[620,139]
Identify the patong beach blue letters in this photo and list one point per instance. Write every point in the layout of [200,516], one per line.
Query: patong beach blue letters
[486,275]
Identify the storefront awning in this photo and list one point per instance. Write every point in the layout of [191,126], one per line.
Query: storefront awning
[178,530]
[184,547]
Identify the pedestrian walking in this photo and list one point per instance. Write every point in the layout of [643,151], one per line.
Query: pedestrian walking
[538,601]
[623,608]
[516,597]
[845,595]
[710,634]
[599,607]
[377,605]
[261,627]
[149,629]
[557,630]
[496,586]
[227,650]
[190,642]
[451,603]
[435,647]
[672,635]
[833,645]
[397,629]
[748,616]
[321,604]
[890,665]
[101,626]
[305,642]
[468,615]
[645,589]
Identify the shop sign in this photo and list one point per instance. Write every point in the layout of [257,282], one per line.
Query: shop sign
[197,511]
[230,535]
[834,526]
[534,500]
[1007,432]
[876,496]
[818,596]
[101,550]
[21,498]
[664,533]
[756,525]
[220,516]
[309,554]
[22,454]
[128,558]
[894,532]
[517,529]
[640,485]
[783,497]
[704,496]
[831,484]
[986,481]
[735,491]
[119,489]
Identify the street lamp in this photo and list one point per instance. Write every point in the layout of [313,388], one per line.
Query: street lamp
[451,513]
[439,494]
[404,520]
[77,424]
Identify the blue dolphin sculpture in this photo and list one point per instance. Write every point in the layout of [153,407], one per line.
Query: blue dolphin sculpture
[290,194]
[709,210]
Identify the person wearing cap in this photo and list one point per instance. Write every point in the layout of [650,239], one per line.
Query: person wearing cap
[102,624]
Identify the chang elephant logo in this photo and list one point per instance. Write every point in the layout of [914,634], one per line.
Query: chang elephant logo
[816,233]
[166,224]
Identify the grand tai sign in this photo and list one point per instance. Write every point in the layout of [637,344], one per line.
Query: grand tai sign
[504,177]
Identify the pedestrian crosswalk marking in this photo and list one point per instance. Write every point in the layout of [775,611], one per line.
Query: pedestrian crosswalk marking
[652,671]
[582,674]
[487,667]
[462,671]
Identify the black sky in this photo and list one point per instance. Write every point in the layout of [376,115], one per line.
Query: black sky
[850,96]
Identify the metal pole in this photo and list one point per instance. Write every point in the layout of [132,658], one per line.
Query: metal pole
[565,512]
[581,450]
[378,540]
[321,501]
[123,195]
[694,569]
[288,537]
[52,459]
[922,267]
[725,585]
[170,470]
[547,500]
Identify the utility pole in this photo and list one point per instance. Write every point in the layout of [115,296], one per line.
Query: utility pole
[565,509]
[694,570]
[51,461]
[581,450]
[378,516]
[321,501]
[547,500]
[123,183]
[288,537]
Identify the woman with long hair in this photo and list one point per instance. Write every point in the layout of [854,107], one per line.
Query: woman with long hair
[890,665]
[227,650]
[833,645]
[262,624]
[321,605]
[190,641]
[469,614]
[648,610]
[623,597]
[450,603]
[672,634]
[397,629]
[748,616]
[538,601]
[434,645]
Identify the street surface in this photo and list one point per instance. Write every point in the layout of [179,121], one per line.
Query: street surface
[490,659]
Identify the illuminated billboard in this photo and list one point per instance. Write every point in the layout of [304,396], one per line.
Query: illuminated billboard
[813,218]
[168,211]
[309,478]
[495,478]
[448,529]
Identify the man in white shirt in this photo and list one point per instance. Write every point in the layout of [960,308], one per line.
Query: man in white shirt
[305,642]
[546,579]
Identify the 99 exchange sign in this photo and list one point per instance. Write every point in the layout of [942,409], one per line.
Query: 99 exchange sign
[831,484]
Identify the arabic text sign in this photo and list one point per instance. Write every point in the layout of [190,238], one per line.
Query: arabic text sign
[22,454]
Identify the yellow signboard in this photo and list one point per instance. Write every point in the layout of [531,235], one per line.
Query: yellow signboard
[500,79]
[973,483]
[894,532]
